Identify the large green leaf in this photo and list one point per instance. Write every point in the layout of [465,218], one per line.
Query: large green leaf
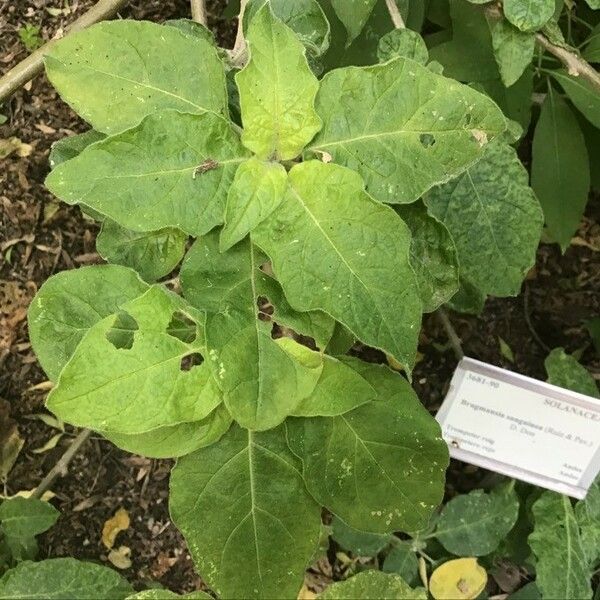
[113,74]
[583,94]
[562,570]
[69,147]
[172,170]
[354,14]
[432,254]
[513,50]
[379,467]
[129,374]
[587,513]
[402,127]
[69,303]
[177,440]
[560,172]
[153,254]
[474,524]
[494,218]
[63,579]
[257,190]
[529,15]
[263,380]
[250,525]
[564,370]
[373,585]
[277,91]
[321,241]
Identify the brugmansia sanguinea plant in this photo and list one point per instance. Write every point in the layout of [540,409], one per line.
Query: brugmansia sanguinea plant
[308,221]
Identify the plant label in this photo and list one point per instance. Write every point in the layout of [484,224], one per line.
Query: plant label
[521,427]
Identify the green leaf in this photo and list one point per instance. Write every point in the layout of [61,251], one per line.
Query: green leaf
[591,51]
[583,94]
[129,375]
[277,91]
[115,73]
[320,240]
[340,388]
[587,513]
[360,543]
[192,29]
[564,371]
[63,579]
[177,440]
[474,524]
[373,585]
[403,561]
[379,467]
[560,172]
[406,130]
[304,17]
[153,254]
[404,43]
[70,147]
[262,380]
[528,592]
[354,14]
[513,49]
[494,218]
[528,15]
[257,190]
[561,566]
[144,185]
[249,523]
[468,56]
[468,299]
[71,302]
[433,256]
[162,594]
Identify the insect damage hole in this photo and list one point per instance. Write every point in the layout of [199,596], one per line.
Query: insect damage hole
[182,327]
[427,140]
[121,334]
[190,361]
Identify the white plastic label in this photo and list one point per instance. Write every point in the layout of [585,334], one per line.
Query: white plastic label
[522,428]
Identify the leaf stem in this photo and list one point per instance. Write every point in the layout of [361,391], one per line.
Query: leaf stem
[240,42]
[28,68]
[395,15]
[60,467]
[450,332]
[199,12]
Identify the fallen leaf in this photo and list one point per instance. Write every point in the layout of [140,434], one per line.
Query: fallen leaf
[45,418]
[113,526]
[11,442]
[14,144]
[49,445]
[120,557]
[506,350]
[306,594]
[46,496]
[459,579]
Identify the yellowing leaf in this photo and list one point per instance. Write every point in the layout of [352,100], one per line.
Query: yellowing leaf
[113,526]
[306,594]
[120,557]
[459,579]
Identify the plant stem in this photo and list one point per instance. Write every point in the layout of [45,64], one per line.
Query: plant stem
[451,333]
[199,12]
[397,19]
[60,467]
[240,42]
[27,69]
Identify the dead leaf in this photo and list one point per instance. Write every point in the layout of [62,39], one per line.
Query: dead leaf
[11,442]
[459,579]
[49,445]
[306,594]
[45,418]
[113,526]
[14,144]
[46,496]
[120,557]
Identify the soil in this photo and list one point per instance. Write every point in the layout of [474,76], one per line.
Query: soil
[39,237]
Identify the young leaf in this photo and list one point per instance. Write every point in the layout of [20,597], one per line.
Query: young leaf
[153,254]
[143,185]
[474,524]
[249,523]
[433,256]
[563,370]
[372,585]
[562,570]
[583,95]
[128,374]
[71,302]
[353,14]
[407,130]
[257,190]
[494,218]
[560,172]
[360,543]
[63,579]
[177,440]
[528,15]
[379,467]
[404,43]
[320,240]
[277,91]
[115,73]
[513,50]
[263,380]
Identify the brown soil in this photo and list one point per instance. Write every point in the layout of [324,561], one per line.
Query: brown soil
[39,237]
